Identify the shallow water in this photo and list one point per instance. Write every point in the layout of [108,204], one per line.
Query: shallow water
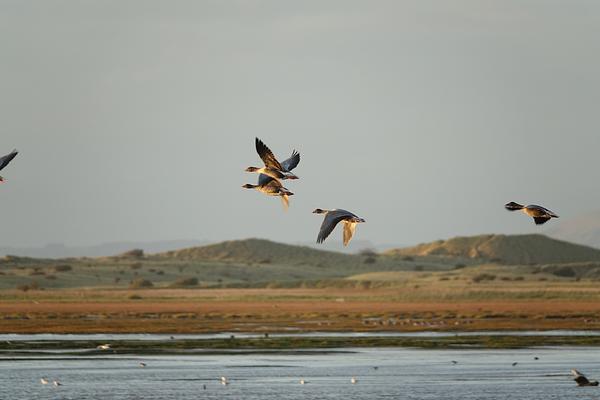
[401,374]
[225,335]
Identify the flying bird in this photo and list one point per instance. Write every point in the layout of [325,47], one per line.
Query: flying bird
[56,383]
[581,379]
[332,218]
[514,364]
[302,382]
[353,380]
[143,365]
[44,381]
[272,187]
[540,214]
[5,160]
[103,346]
[274,168]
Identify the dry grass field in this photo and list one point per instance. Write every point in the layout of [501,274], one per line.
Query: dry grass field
[426,305]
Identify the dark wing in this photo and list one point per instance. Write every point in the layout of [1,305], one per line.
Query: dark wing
[291,162]
[264,179]
[581,380]
[267,155]
[541,220]
[7,158]
[331,220]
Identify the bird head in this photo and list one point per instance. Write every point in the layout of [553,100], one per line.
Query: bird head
[512,206]
[248,186]
[251,169]
[319,211]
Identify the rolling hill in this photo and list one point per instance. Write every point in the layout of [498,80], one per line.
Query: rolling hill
[263,263]
[260,251]
[506,249]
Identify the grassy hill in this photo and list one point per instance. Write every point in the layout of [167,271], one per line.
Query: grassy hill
[240,263]
[261,251]
[262,263]
[506,249]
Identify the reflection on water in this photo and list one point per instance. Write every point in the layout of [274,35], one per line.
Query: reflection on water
[400,374]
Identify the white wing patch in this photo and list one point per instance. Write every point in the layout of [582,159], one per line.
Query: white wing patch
[349,228]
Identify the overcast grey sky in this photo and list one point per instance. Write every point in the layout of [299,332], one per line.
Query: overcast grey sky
[136,119]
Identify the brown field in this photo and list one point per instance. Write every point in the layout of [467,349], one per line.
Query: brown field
[279,310]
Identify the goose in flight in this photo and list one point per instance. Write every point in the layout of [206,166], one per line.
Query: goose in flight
[332,218]
[540,214]
[353,380]
[5,160]
[44,381]
[103,346]
[274,168]
[272,187]
[581,379]
[56,383]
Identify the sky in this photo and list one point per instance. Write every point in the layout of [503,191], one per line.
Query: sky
[135,120]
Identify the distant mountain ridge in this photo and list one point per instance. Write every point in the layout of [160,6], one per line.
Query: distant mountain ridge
[508,249]
[58,250]
[583,229]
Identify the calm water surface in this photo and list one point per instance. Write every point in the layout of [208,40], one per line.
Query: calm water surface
[401,374]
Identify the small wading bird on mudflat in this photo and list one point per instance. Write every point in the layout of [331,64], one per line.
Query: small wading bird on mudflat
[581,379]
[5,160]
[332,218]
[274,168]
[540,214]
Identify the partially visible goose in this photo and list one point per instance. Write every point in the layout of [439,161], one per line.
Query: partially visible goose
[44,381]
[56,383]
[5,160]
[581,379]
[272,187]
[332,218]
[274,168]
[540,214]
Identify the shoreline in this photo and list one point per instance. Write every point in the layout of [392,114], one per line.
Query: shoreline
[20,348]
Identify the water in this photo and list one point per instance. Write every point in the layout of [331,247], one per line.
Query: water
[224,335]
[401,374]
